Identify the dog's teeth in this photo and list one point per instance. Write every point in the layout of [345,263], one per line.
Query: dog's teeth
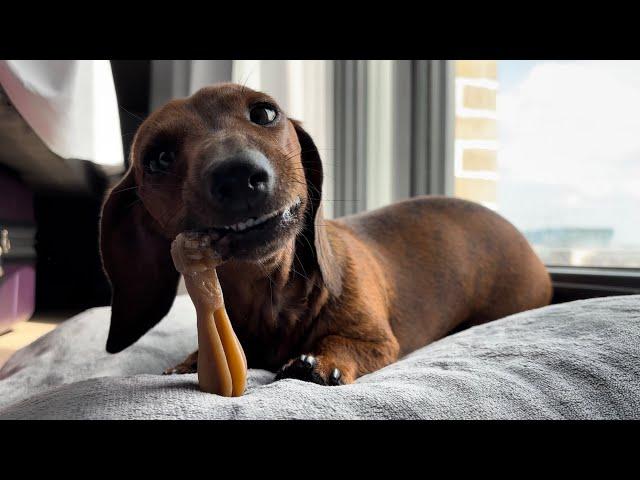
[261,219]
[286,216]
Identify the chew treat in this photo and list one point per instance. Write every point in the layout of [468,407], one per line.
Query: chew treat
[222,366]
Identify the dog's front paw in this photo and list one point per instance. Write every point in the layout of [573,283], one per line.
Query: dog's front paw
[311,369]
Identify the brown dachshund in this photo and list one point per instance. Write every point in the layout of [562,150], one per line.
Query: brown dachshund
[320,300]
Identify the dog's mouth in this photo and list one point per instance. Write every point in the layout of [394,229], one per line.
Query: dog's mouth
[284,216]
[255,236]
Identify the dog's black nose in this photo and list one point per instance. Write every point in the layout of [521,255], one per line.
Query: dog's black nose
[242,182]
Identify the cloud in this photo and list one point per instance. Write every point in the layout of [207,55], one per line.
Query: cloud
[572,128]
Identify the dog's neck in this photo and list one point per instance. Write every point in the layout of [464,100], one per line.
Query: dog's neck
[247,285]
[275,267]
[271,303]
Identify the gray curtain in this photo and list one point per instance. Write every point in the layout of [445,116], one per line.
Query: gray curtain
[180,78]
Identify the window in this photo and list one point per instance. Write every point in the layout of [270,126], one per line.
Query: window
[554,146]
[550,145]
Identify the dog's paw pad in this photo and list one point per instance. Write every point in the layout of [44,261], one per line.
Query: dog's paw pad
[305,368]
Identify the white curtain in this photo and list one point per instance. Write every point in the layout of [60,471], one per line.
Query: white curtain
[70,104]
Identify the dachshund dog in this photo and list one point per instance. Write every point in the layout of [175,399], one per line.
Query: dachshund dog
[319,300]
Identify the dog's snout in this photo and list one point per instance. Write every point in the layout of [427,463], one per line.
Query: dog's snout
[242,182]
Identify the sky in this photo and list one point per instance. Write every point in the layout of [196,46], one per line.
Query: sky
[569,148]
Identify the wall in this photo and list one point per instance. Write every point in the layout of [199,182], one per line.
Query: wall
[476,135]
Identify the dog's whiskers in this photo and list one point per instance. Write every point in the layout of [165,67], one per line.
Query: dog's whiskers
[121,190]
[291,249]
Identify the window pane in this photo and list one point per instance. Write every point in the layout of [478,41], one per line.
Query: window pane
[554,146]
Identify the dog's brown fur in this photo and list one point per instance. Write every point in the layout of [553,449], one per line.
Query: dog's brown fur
[355,293]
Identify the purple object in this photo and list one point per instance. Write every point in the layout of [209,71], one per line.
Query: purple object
[17,253]
[17,295]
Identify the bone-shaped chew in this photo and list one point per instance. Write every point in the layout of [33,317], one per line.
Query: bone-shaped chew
[222,366]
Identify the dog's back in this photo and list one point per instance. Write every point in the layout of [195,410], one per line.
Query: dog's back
[451,262]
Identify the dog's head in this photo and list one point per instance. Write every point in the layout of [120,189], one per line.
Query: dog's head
[226,161]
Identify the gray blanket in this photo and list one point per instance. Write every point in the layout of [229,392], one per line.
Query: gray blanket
[579,360]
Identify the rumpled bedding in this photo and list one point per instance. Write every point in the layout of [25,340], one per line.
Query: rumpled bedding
[578,360]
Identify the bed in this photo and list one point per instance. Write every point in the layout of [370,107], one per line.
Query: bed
[578,360]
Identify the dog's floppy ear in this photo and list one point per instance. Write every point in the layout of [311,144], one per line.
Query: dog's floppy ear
[138,262]
[324,254]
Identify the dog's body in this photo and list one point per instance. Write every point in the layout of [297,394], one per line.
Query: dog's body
[326,300]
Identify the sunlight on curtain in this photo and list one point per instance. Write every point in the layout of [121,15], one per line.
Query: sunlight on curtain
[304,90]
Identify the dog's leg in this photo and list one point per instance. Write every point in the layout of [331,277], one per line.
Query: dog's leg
[339,360]
[188,365]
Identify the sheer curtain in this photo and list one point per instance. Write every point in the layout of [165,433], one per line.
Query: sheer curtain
[304,89]
[384,128]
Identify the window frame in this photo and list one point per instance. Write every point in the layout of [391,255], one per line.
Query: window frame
[575,283]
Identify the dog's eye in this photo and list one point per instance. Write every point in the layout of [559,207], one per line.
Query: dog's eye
[159,161]
[262,114]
